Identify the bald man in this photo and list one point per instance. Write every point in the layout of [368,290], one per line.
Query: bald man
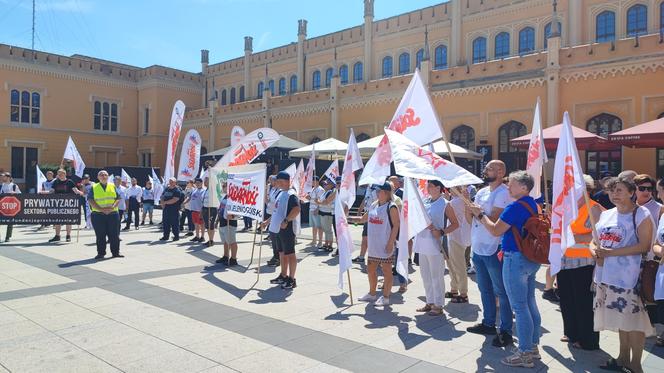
[491,200]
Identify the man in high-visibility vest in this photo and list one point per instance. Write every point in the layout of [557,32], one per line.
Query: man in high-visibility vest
[105,217]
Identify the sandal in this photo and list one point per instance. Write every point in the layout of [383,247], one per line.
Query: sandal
[611,364]
[403,289]
[435,311]
[426,308]
[451,294]
[460,299]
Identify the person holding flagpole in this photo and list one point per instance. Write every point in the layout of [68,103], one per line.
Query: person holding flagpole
[428,245]
[383,219]
[63,185]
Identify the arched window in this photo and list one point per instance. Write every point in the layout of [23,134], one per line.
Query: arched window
[387,67]
[357,72]
[232,95]
[25,107]
[464,136]
[270,85]
[314,140]
[282,86]
[479,50]
[526,40]
[419,56]
[605,26]
[404,63]
[293,84]
[242,94]
[440,57]
[97,115]
[343,74]
[114,117]
[328,76]
[106,116]
[261,88]
[362,137]
[315,80]
[502,48]
[547,32]
[514,158]
[637,20]
[223,97]
[597,163]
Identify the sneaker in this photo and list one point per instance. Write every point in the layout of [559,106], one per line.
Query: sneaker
[482,329]
[143,223]
[534,353]
[201,240]
[99,257]
[551,295]
[195,239]
[151,223]
[471,271]
[118,256]
[54,239]
[368,298]
[358,259]
[503,339]
[382,302]
[232,262]
[189,234]
[336,253]
[279,280]
[290,283]
[176,239]
[274,262]
[163,239]
[519,359]
[125,229]
[210,243]
[223,260]
[68,238]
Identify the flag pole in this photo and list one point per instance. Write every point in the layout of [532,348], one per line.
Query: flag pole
[350,287]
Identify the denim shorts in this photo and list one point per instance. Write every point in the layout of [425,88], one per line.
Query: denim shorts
[314,220]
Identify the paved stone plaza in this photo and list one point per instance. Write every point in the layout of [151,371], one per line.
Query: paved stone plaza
[161,310]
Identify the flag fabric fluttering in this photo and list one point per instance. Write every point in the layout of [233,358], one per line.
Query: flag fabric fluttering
[310,171]
[156,186]
[419,163]
[299,181]
[72,154]
[41,179]
[332,172]
[568,188]
[177,117]
[536,153]
[343,203]
[248,148]
[416,119]
[237,133]
[413,219]
[125,177]
[190,156]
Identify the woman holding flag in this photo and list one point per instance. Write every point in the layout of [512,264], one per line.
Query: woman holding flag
[428,244]
[383,219]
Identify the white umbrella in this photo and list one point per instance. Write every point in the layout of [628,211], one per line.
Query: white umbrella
[326,149]
[367,148]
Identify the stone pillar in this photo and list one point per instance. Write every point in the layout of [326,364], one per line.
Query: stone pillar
[334,105]
[456,58]
[552,73]
[205,59]
[267,116]
[301,36]
[574,23]
[213,117]
[248,49]
[368,39]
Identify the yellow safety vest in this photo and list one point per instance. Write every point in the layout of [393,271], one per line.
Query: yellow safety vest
[104,198]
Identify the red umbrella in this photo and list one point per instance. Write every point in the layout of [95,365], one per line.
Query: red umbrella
[646,135]
[584,140]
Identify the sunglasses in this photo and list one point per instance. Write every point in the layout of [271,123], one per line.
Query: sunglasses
[646,188]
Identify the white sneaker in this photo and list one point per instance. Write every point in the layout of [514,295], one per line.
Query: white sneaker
[471,271]
[382,302]
[519,359]
[368,298]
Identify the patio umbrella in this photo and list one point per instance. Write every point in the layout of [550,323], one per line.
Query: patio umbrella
[283,143]
[584,140]
[367,148]
[326,149]
[646,135]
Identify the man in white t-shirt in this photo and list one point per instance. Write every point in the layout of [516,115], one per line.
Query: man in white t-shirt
[487,257]
[314,219]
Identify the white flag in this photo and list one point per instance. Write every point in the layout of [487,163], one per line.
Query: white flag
[299,181]
[246,193]
[216,177]
[41,179]
[72,154]
[157,186]
[416,119]
[248,148]
[536,153]
[237,133]
[190,156]
[310,172]
[568,188]
[413,220]
[344,201]
[177,116]
[419,163]
[332,172]
[125,177]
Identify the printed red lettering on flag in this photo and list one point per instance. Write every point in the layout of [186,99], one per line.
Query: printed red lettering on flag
[402,122]
[533,153]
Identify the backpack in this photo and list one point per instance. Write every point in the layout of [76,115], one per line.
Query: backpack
[535,245]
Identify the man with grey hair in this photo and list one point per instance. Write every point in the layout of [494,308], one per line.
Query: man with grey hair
[104,200]
[170,202]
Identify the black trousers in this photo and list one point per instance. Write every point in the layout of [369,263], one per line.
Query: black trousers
[134,208]
[120,215]
[171,222]
[106,226]
[186,215]
[576,305]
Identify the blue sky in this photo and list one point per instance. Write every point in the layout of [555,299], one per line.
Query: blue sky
[172,33]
